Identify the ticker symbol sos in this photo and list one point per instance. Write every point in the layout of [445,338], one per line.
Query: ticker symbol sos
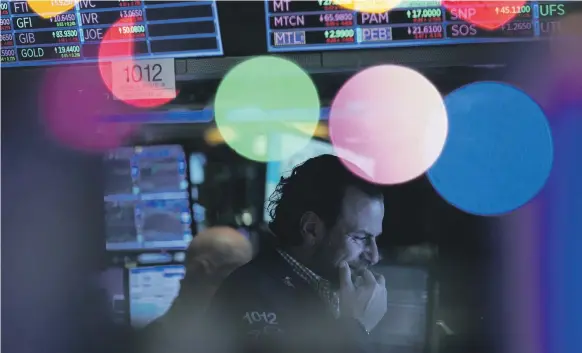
[488,15]
[109,48]
[45,8]
[463,30]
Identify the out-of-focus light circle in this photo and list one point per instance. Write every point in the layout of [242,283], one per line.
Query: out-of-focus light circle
[499,151]
[74,104]
[488,15]
[367,7]
[391,117]
[113,48]
[49,8]
[262,99]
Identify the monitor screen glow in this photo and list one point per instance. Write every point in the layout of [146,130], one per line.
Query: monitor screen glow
[152,291]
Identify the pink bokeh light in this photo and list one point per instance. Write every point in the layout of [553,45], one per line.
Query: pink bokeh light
[392,117]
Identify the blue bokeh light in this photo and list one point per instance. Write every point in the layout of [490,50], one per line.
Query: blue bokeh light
[499,151]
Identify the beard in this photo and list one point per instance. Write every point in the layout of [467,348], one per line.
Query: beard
[328,265]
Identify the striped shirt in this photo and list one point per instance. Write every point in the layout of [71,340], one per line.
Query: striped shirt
[320,285]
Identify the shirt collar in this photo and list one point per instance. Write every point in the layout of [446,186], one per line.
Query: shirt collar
[301,270]
[320,285]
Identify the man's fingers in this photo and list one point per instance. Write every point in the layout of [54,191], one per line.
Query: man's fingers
[345,276]
[369,278]
[381,281]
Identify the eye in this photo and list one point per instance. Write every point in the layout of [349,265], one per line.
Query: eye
[360,237]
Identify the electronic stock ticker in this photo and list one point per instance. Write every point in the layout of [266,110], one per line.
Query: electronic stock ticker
[156,28]
[325,25]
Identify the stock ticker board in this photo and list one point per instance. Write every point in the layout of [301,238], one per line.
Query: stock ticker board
[180,29]
[325,25]
[157,29]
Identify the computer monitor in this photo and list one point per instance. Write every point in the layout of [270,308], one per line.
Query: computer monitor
[146,198]
[152,290]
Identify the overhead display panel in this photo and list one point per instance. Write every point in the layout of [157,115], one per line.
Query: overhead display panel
[294,25]
[157,29]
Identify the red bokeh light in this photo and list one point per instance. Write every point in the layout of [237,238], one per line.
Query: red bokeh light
[110,49]
[488,15]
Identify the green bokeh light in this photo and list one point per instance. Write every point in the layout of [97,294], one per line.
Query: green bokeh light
[267,108]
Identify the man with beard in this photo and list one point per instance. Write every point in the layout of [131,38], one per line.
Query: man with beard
[312,290]
[210,258]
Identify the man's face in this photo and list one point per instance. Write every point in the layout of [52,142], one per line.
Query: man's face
[353,237]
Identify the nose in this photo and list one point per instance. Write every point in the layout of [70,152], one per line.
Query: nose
[371,254]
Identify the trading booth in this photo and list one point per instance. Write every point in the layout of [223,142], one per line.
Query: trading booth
[175,176]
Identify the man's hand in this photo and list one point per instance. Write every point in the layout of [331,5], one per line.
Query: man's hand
[367,302]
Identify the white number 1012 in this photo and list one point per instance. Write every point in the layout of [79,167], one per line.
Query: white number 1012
[255,316]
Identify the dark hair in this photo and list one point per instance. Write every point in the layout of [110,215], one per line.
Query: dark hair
[318,185]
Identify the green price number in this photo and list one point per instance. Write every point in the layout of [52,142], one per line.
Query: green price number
[67,50]
[424,13]
[339,33]
[65,34]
